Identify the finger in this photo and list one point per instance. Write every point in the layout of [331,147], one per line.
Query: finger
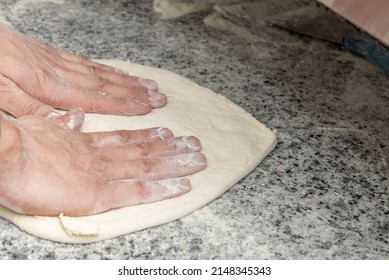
[118,137]
[70,120]
[154,149]
[18,103]
[108,87]
[153,168]
[113,74]
[98,102]
[127,193]
[157,99]
[81,60]
[99,83]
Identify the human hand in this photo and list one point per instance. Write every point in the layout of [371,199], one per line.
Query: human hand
[48,170]
[36,77]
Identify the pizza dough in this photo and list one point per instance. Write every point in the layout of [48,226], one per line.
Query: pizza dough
[233,141]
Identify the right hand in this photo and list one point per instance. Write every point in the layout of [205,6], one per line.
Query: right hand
[35,78]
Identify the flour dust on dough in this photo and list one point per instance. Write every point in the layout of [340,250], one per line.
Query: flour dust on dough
[233,141]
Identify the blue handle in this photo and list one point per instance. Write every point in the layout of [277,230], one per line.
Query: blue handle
[368,47]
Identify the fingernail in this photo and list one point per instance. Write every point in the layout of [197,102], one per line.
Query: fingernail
[192,143]
[147,83]
[162,133]
[73,119]
[132,107]
[53,115]
[157,99]
[186,143]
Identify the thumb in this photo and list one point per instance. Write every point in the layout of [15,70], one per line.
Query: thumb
[18,103]
[72,119]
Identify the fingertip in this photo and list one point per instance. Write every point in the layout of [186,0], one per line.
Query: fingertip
[147,83]
[73,119]
[192,143]
[130,107]
[186,185]
[171,188]
[157,99]
[193,162]
[203,159]
[161,133]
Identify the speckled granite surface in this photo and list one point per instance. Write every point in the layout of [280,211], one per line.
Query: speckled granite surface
[322,194]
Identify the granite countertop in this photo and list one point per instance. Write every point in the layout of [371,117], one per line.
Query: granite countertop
[323,192]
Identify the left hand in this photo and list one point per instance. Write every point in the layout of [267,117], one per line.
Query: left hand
[48,170]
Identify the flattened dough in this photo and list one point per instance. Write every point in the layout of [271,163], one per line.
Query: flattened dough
[233,141]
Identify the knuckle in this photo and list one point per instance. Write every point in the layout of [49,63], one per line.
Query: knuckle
[109,140]
[95,101]
[44,83]
[142,149]
[146,166]
[99,165]
[81,59]
[142,189]
[44,79]
[92,69]
[139,185]
[124,135]
[101,83]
